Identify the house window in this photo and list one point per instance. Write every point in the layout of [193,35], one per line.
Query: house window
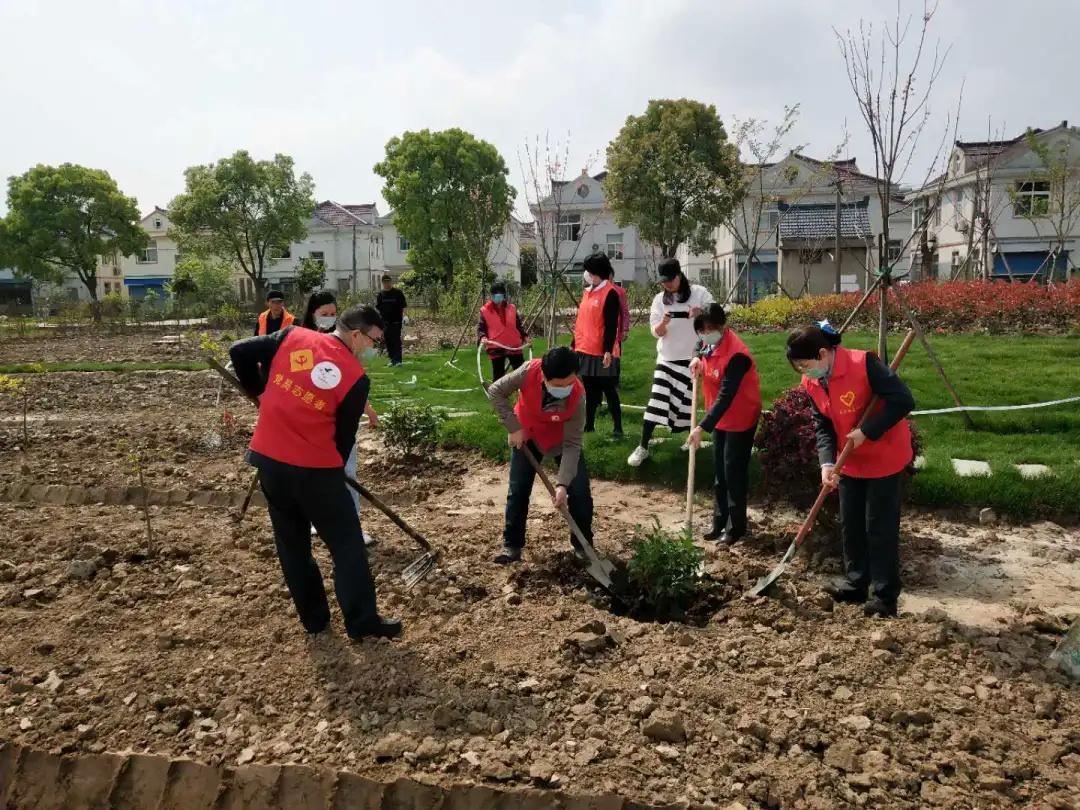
[108,288]
[770,218]
[955,260]
[343,285]
[896,247]
[157,223]
[279,252]
[403,244]
[318,256]
[1031,199]
[115,270]
[614,246]
[570,227]
[810,256]
[148,255]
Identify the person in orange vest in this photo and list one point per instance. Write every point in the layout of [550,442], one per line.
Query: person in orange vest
[548,418]
[312,390]
[501,324]
[275,316]
[840,383]
[732,409]
[596,340]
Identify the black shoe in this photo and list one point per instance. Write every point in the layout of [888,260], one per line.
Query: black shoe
[382,628]
[844,591]
[713,534]
[579,552]
[729,537]
[880,607]
[509,555]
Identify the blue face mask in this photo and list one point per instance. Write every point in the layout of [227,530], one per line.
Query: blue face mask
[711,338]
[497,298]
[367,354]
[559,391]
[325,322]
[816,373]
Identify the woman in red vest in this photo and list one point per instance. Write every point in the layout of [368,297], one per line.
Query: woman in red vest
[501,332]
[596,340]
[312,389]
[733,406]
[840,383]
[549,418]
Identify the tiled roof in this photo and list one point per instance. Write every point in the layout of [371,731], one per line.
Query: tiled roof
[819,221]
[345,216]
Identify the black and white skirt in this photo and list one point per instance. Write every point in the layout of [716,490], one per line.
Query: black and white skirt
[669,402]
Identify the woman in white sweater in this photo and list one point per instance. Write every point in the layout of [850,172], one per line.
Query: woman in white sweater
[672,322]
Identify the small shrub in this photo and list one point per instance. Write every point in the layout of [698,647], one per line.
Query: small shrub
[665,568]
[409,430]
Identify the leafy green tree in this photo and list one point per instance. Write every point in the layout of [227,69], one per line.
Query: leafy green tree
[62,219]
[310,276]
[673,174]
[208,282]
[238,209]
[451,199]
[527,265]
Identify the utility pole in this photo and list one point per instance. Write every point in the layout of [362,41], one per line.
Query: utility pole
[836,247]
[354,258]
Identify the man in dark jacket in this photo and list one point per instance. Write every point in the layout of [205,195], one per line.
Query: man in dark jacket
[391,304]
[312,391]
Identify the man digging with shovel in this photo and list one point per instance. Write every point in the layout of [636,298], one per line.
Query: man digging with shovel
[312,390]
[548,419]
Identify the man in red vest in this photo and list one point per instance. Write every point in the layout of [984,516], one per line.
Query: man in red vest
[312,392]
[501,332]
[275,316]
[548,418]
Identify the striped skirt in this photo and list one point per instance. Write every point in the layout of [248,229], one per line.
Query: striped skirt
[669,402]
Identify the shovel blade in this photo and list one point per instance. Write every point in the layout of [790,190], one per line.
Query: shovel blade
[763,584]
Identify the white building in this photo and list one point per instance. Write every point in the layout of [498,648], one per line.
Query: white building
[794,238]
[503,256]
[346,239]
[997,216]
[149,269]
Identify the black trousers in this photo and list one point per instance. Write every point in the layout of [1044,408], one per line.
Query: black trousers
[596,388]
[870,516]
[498,364]
[731,479]
[392,336]
[522,476]
[299,498]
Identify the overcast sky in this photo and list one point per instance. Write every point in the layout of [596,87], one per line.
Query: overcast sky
[145,88]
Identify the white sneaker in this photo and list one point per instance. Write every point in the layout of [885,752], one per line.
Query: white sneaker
[368,539]
[638,456]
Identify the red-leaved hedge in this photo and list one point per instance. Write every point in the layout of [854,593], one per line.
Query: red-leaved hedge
[958,306]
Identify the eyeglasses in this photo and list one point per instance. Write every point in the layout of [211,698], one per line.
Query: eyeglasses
[380,343]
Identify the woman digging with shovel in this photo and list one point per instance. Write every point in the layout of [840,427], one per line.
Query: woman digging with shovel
[840,383]
[733,407]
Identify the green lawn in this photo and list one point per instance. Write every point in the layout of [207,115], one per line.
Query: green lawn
[987,370]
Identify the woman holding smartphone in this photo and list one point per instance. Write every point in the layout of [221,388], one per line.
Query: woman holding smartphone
[672,322]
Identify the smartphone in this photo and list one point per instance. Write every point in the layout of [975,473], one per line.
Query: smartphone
[683,314]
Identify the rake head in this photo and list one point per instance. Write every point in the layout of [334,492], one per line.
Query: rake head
[419,569]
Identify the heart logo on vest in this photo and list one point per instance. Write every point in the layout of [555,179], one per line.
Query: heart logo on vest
[848,399]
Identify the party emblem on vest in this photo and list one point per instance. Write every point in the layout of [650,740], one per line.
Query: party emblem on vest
[848,398]
[301,360]
[555,417]
[326,375]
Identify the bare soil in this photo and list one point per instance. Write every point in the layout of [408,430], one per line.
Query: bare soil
[522,676]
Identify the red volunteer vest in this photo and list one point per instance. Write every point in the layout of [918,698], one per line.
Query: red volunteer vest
[543,427]
[309,376]
[501,327]
[589,329]
[848,394]
[287,319]
[745,409]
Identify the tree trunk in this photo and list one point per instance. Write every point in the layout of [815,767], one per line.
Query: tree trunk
[883,317]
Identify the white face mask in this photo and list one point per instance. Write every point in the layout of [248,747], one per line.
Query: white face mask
[325,322]
[587,277]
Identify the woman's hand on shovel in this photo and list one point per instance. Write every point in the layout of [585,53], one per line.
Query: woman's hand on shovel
[695,437]
[559,500]
[516,439]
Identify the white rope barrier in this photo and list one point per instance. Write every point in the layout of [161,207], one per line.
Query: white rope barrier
[1029,406]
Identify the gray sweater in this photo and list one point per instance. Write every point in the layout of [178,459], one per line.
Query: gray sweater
[573,428]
